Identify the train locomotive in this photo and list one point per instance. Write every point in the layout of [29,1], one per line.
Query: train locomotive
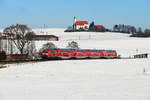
[61,53]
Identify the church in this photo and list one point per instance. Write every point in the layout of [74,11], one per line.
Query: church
[80,25]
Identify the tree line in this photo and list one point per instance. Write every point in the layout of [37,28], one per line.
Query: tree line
[135,32]
[124,28]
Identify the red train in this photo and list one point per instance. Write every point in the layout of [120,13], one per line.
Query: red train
[77,53]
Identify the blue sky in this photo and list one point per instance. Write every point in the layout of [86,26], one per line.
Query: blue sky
[60,13]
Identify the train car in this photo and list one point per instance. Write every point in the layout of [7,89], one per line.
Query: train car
[77,53]
[111,54]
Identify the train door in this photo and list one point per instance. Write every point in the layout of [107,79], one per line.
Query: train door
[103,54]
[73,53]
[88,53]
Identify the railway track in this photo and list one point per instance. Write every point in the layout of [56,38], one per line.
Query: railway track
[21,61]
[44,60]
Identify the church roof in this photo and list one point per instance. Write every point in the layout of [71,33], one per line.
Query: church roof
[81,22]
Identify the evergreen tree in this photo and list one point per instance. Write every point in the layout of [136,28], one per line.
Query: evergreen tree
[91,27]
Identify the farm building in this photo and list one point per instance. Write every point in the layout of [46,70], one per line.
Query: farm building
[80,25]
[99,26]
[145,55]
[45,38]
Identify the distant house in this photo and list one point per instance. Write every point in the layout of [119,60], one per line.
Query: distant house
[141,55]
[80,25]
[36,37]
[46,38]
[99,26]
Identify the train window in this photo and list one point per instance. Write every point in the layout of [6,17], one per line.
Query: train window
[65,50]
[95,51]
[62,50]
[80,50]
[53,51]
[110,51]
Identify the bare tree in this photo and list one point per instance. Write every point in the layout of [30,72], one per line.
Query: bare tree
[2,53]
[49,45]
[21,36]
[133,30]
[31,50]
[139,30]
[147,32]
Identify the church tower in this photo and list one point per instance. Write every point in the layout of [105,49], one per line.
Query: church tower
[75,19]
[74,23]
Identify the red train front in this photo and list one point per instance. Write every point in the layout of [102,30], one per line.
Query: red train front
[77,53]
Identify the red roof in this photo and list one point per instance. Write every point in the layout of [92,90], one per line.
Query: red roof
[45,36]
[81,22]
[99,26]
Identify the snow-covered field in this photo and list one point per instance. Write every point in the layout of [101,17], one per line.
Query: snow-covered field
[104,79]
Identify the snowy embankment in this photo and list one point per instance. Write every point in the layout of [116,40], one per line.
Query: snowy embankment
[101,79]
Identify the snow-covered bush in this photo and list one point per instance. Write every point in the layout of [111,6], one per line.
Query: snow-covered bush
[47,47]
[31,51]
[73,45]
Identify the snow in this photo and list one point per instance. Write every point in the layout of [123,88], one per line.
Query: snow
[76,79]
[100,79]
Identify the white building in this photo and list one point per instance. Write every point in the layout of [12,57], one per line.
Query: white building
[78,25]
